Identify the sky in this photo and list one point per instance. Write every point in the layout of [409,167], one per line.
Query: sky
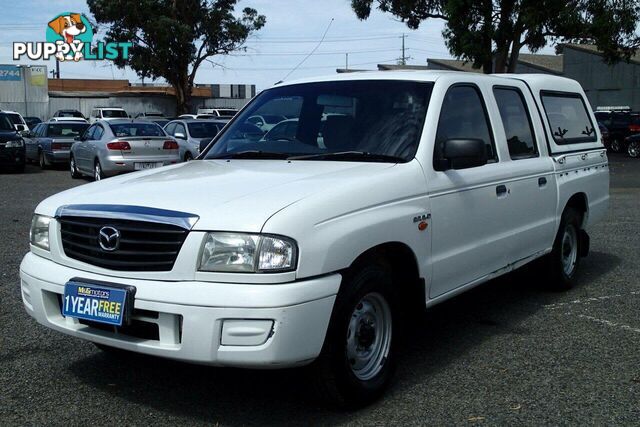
[294,28]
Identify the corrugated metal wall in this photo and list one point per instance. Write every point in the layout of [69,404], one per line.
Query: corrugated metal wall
[27,94]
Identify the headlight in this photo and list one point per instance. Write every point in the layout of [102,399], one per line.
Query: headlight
[247,253]
[15,143]
[39,234]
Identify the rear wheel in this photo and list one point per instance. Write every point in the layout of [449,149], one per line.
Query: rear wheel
[564,259]
[357,360]
[634,149]
[42,160]
[97,171]
[73,168]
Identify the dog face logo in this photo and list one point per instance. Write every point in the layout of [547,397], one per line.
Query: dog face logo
[72,29]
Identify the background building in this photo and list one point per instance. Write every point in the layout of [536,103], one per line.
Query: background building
[27,90]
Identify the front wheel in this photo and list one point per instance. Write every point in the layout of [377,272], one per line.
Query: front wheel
[634,149]
[357,360]
[42,160]
[188,157]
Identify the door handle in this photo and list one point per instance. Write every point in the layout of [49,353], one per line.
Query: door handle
[542,181]
[501,190]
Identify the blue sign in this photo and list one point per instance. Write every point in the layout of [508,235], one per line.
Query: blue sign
[97,303]
[10,72]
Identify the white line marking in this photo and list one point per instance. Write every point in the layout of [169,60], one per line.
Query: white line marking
[610,323]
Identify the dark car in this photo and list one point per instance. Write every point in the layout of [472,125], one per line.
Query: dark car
[633,145]
[606,137]
[69,113]
[32,121]
[12,154]
[49,143]
[620,124]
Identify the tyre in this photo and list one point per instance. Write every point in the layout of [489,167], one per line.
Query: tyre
[97,171]
[634,149]
[188,157]
[564,259]
[73,168]
[616,145]
[358,356]
[42,160]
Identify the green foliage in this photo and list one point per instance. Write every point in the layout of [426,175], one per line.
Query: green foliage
[491,33]
[172,38]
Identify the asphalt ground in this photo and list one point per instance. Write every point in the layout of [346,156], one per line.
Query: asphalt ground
[506,353]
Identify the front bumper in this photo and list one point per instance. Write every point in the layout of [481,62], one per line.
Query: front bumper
[14,156]
[192,330]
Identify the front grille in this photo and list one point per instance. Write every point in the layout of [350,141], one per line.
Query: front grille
[144,246]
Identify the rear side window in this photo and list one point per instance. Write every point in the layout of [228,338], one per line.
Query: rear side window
[568,118]
[517,122]
[463,116]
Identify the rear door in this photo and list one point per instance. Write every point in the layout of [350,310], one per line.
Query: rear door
[529,214]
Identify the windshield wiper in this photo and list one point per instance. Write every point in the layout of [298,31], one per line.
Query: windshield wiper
[250,154]
[351,155]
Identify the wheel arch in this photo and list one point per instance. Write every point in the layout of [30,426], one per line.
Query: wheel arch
[580,202]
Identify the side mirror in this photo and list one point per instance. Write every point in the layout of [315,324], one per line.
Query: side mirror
[463,153]
[27,134]
[20,128]
[260,124]
[179,135]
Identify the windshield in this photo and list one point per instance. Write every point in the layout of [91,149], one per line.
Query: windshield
[5,123]
[66,130]
[70,114]
[114,113]
[137,129]
[203,130]
[376,117]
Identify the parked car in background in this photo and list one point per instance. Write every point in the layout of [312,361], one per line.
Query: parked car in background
[192,134]
[266,121]
[186,116]
[32,121]
[161,121]
[632,144]
[218,112]
[149,114]
[16,119]
[620,125]
[112,147]
[69,113]
[606,141]
[107,113]
[11,146]
[68,119]
[49,143]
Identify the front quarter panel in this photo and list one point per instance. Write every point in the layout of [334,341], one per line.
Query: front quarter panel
[335,226]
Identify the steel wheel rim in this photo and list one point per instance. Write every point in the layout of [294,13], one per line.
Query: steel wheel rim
[569,250]
[72,164]
[98,172]
[369,336]
[615,145]
[634,149]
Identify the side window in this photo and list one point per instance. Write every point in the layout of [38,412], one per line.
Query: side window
[39,130]
[97,134]
[568,118]
[180,129]
[517,122]
[88,134]
[170,128]
[463,116]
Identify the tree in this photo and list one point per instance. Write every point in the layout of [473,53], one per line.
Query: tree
[172,38]
[491,33]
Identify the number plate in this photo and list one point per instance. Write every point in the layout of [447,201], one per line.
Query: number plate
[146,165]
[103,303]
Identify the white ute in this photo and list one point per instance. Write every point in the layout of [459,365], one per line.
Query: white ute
[304,248]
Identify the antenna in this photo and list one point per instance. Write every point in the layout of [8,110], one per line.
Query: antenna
[310,53]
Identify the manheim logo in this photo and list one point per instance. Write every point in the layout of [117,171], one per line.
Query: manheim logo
[69,37]
[109,238]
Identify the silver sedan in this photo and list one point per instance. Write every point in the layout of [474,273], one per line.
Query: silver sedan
[113,147]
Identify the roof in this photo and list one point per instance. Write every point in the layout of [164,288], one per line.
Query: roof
[593,49]
[219,122]
[552,63]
